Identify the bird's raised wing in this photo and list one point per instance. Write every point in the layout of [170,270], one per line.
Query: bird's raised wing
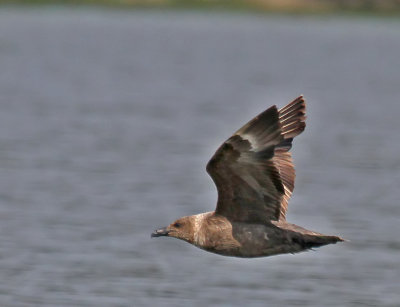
[253,170]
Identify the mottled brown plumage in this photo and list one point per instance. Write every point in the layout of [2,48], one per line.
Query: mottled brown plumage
[254,174]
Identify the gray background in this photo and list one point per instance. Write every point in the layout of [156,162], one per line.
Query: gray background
[108,118]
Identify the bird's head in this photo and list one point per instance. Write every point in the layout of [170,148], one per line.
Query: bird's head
[182,228]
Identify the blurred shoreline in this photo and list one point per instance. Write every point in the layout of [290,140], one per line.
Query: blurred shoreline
[301,7]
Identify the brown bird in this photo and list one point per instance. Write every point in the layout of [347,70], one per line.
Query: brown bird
[254,174]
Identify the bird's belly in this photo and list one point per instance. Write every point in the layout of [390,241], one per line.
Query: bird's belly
[256,240]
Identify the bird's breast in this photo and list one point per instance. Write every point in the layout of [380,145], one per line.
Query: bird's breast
[214,233]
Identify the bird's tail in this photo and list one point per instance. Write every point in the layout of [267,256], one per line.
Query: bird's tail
[311,241]
[306,238]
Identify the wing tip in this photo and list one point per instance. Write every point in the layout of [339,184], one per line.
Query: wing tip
[299,102]
[292,117]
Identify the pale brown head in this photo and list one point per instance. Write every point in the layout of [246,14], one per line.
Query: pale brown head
[182,228]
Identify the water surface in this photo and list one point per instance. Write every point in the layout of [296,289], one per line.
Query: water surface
[107,120]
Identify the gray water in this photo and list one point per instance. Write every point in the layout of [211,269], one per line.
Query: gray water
[108,118]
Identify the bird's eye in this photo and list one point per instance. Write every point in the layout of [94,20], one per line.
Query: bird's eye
[177,225]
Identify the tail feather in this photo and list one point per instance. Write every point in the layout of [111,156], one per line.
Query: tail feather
[306,238]
[310,241]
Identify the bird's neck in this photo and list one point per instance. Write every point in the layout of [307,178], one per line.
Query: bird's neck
[199,221]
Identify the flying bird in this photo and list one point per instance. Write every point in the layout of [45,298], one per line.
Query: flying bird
[254,174]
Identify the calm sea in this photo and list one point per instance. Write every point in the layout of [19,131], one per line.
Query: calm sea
[108,118]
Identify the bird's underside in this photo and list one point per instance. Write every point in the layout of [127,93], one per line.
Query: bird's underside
[249,240]
[254,174]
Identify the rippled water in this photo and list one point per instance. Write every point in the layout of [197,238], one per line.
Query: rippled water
[108,118]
